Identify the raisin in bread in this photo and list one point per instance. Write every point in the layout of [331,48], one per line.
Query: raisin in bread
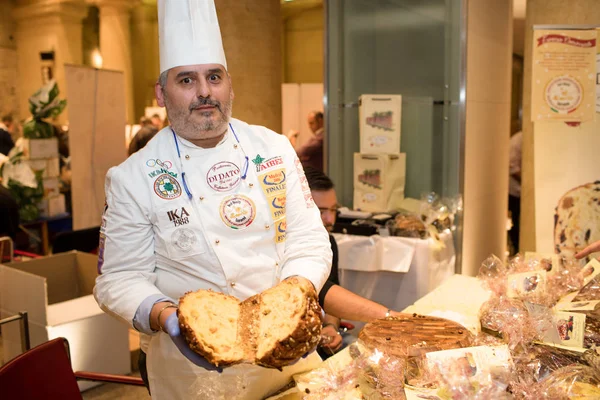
[577,219]
[272,329]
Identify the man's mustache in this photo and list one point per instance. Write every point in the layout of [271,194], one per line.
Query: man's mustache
[205,102]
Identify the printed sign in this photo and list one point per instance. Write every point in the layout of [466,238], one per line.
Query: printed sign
[564,75]
[526,283]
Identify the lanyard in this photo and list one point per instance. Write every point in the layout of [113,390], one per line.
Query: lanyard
[185,186]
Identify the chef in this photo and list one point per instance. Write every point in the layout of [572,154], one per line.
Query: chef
[211,202]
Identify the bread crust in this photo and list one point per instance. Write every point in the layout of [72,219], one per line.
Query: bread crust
[303,339]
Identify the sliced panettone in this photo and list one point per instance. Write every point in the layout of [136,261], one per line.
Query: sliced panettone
[577,219]
[273,328]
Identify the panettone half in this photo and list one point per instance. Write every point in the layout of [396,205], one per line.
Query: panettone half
[272,329]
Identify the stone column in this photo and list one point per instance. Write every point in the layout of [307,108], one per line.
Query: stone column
[8,61]
[115,44]
[144,51]
[43,26]
[487,131]
[251,31]
[542,12]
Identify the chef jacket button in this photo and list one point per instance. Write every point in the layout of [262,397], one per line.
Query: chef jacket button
[276,263]
[232,284]
[201,198]
[217,241]
[267,226]
[251,184]
[235,146]
[187,156]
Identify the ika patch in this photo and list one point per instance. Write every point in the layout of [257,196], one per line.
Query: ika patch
[184,239]
[179,216]
[263,164]
[223,176]
[237,212]
[167,187]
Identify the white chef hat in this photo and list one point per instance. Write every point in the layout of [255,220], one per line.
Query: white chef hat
[189,34]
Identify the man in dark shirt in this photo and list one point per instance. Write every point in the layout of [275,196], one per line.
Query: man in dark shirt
[311,152]
[9,214]
[6,141]
[335,300]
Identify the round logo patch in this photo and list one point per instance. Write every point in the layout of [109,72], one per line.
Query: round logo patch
[184,239]
[237,212]
[564,94]
[223,176]
[167,187]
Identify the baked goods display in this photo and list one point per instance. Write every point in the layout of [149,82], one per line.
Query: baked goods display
[408,225]
[414,335]
[577,219]
[272,329]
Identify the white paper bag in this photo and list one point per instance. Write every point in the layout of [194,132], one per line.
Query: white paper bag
[379,123]
[379,181]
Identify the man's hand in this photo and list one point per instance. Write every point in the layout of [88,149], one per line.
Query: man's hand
[331,338]
[171,327]
[592,248]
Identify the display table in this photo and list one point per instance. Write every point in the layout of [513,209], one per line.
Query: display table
[394,271]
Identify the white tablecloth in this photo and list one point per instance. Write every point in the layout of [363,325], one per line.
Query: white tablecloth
[394,271]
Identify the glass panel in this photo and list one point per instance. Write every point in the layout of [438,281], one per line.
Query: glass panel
[408,47]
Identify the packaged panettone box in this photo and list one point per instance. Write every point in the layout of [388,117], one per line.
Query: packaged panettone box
[379,181]
[379,123]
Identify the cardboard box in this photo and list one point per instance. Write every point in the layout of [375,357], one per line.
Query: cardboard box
[40,148]
[56,292]
[49,166]
[379,181]
[379,123]
[51,187]
[52,206]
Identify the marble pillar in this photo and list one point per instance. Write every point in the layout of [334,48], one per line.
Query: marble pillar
[46,26]
[251,31]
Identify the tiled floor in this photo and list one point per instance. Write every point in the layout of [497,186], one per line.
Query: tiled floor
[112,391]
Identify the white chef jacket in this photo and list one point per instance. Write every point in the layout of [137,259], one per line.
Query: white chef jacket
[234,235]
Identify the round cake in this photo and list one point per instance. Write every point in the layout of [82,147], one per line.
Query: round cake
[414,335]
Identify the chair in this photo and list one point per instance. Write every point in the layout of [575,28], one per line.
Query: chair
[85,240]
[45,372]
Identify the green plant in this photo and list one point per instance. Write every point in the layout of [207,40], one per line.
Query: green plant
[43,104]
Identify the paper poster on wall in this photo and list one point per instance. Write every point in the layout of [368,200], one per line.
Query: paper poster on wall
[564,75]
[565,169]
[598,72]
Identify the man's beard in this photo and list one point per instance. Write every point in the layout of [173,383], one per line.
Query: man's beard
[206,128]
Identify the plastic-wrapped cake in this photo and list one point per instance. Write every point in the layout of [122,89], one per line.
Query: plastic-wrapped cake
[414,335]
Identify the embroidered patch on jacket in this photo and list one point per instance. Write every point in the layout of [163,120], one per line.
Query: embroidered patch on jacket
[184,239]
[223,176]
[263,164]
[160,167]
[167,187]
[237,212]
